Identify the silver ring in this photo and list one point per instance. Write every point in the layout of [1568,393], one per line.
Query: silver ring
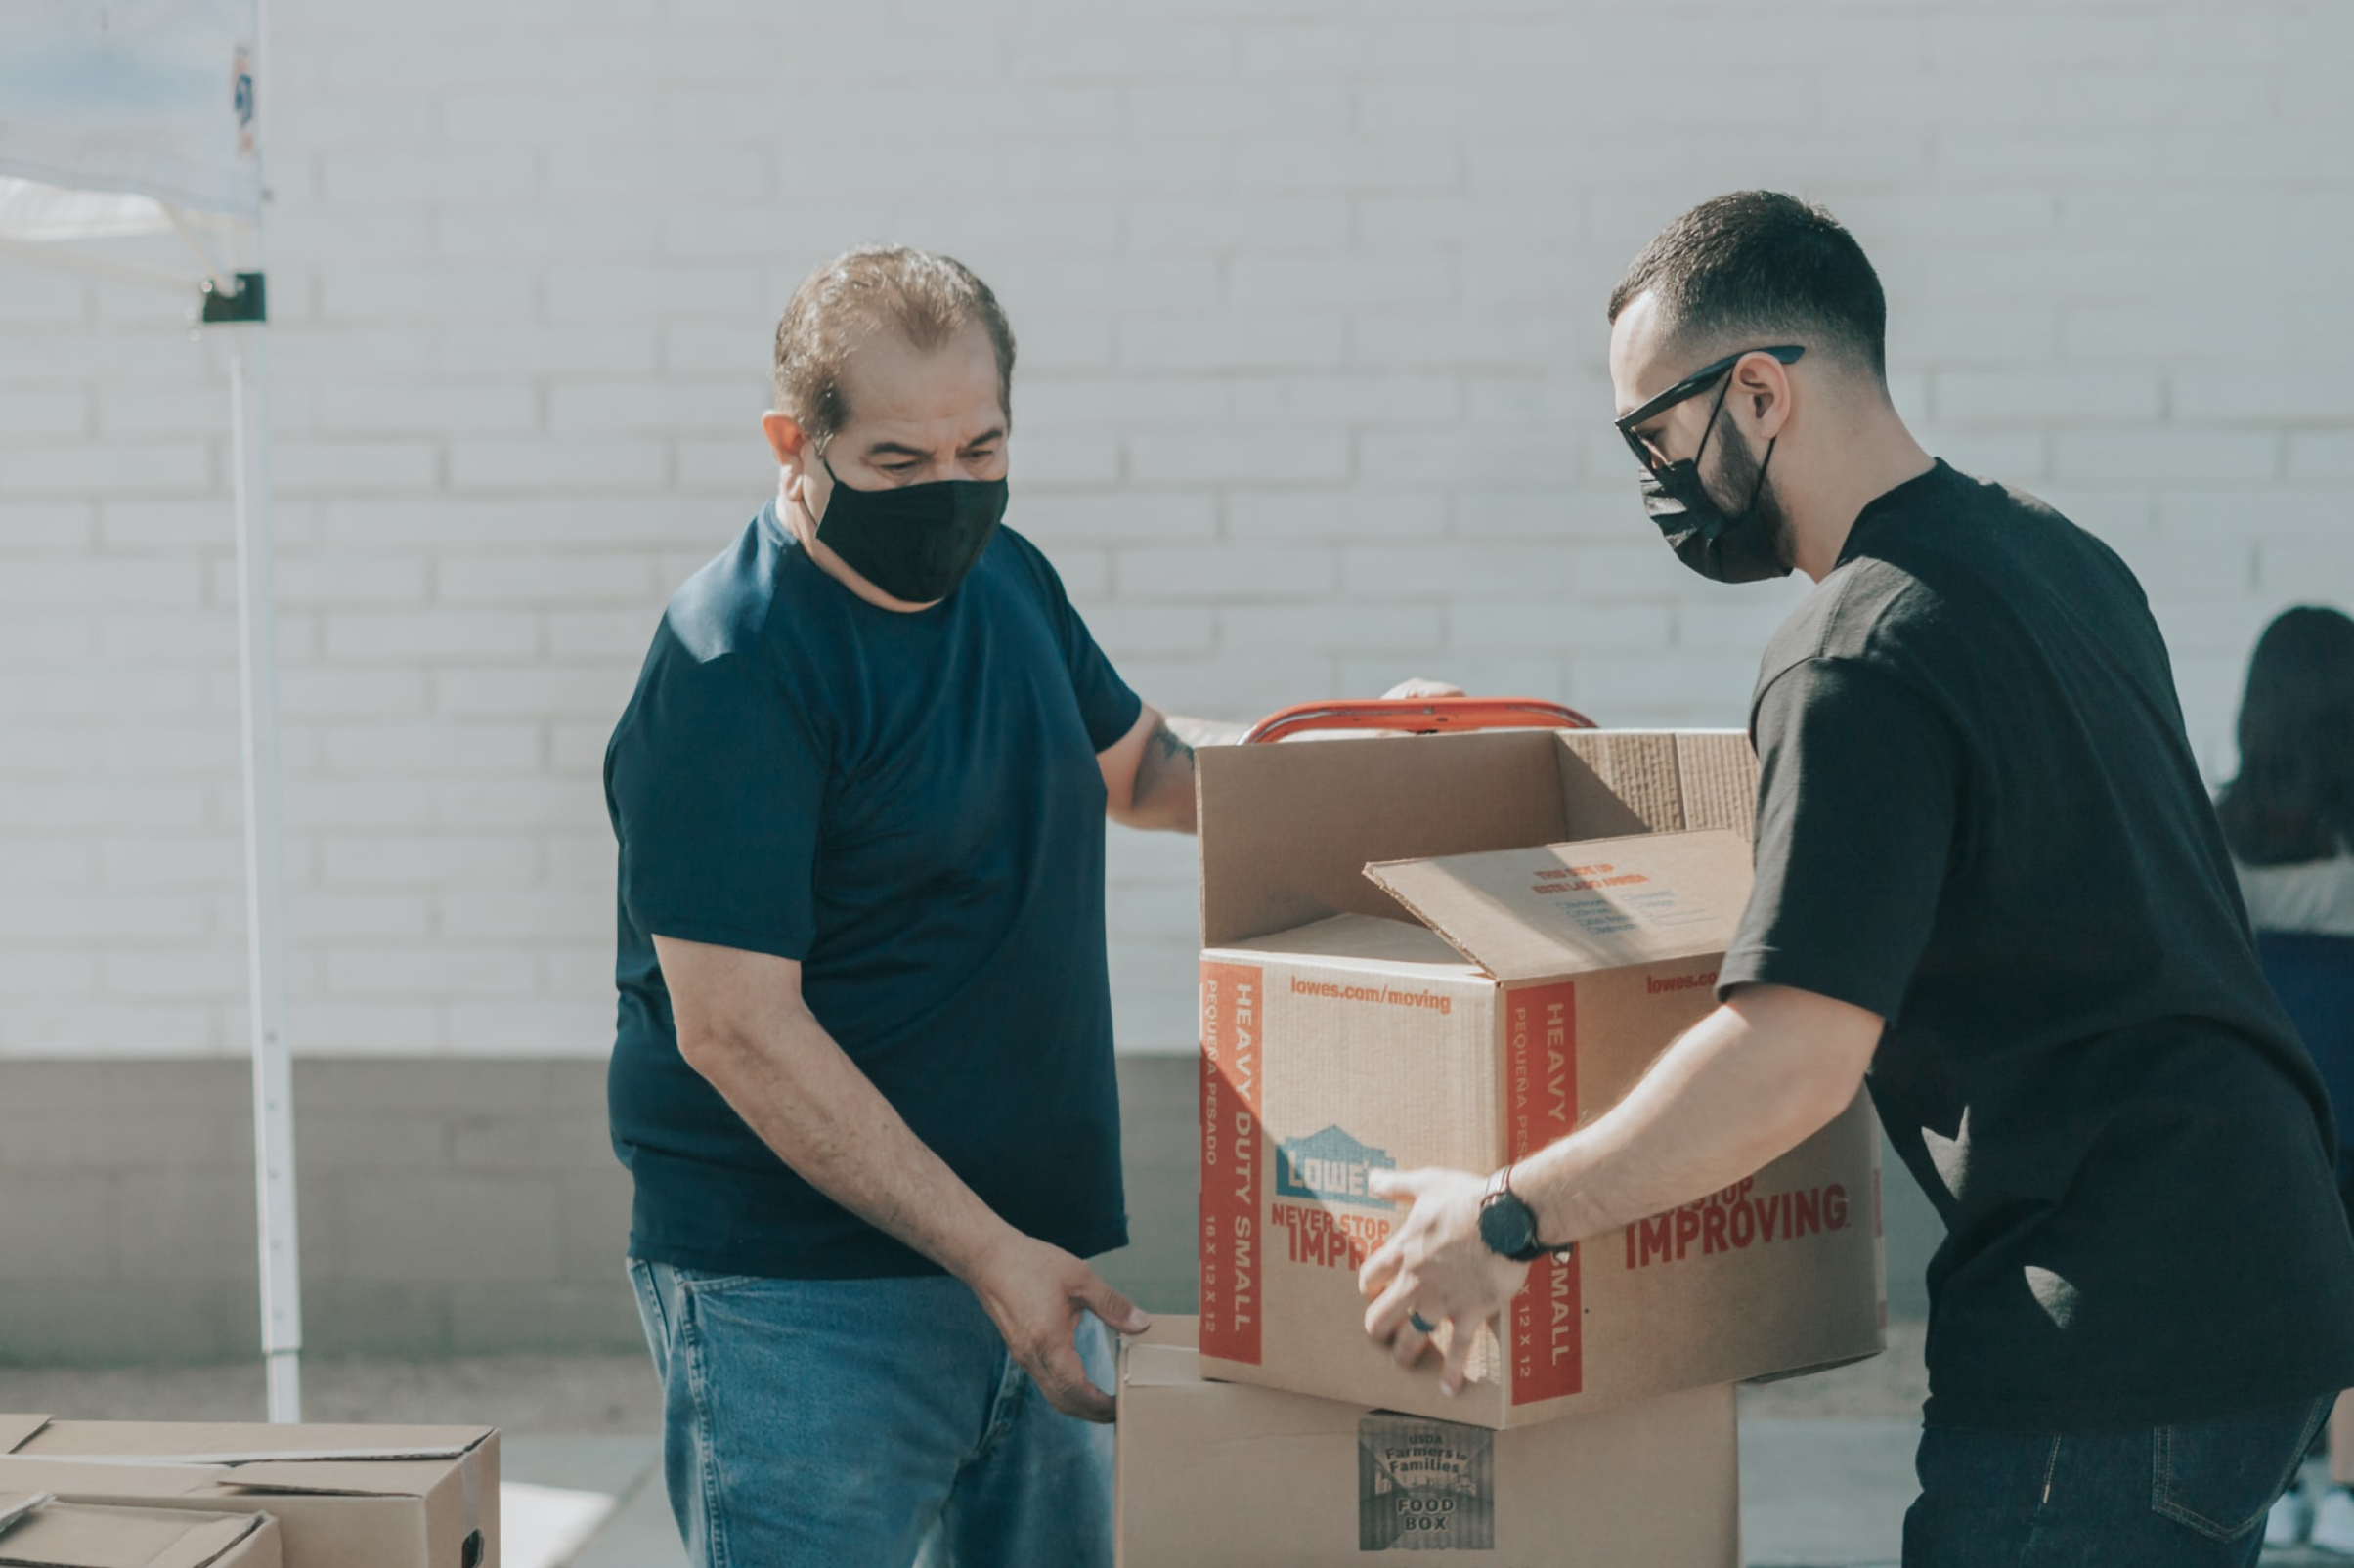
[1421,1324]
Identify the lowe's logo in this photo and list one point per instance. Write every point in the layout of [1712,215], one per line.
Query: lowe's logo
[1331,1166]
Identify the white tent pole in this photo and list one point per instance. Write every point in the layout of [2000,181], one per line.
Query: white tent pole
[241,302]
[265,842]
[265,881]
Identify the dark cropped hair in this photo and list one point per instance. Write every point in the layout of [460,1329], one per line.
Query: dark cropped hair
[2293,800]
[1758,267]
[924,298]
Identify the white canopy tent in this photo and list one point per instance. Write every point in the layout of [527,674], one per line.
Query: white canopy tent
[127,117]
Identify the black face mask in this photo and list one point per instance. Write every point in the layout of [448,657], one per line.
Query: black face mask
[1743,546]
[916,541]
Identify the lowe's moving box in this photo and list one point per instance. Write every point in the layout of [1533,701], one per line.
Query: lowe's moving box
[39,1532]
[1544,912]
[1225,1473]
[344,1497]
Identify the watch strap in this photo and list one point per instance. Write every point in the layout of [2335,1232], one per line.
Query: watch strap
[1500,1190]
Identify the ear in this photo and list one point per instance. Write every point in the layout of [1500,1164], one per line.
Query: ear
[796,456]
[786,438]
[1762,395]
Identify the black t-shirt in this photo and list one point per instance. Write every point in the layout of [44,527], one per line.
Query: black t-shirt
[1979,818]
[910,807]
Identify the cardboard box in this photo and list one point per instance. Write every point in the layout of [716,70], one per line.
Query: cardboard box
[1545,913]
[1223,1473]
[39,1532]
[344,1497]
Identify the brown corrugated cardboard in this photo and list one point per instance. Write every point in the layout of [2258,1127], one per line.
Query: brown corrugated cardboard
[40,1532]
[1462,1001]
[1287,830]
[345,1497]
[1223,1473]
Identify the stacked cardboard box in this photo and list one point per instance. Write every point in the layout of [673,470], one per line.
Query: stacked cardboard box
[1449,952]
[37,1531]
[1225,1473]
[342,1497]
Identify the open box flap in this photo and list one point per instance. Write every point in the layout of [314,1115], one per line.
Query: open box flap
[15,1429]
[243,1443]
[1622,781]
[1288,829]
[14,1506]
[370,1478]
[1575,909]
[1716,776]
[85,1479]
[70,1536]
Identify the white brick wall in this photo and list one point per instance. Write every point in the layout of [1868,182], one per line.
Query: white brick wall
[1312,399]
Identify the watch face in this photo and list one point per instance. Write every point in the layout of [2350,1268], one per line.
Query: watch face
[1506,1225]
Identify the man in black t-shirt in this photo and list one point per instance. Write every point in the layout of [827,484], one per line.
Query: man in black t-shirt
[862,1075]
[1989,883]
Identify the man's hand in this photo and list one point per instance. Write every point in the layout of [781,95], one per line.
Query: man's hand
[744,1027]
[1034,1292]
[1435,1264]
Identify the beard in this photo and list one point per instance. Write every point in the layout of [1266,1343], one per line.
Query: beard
[1742,479]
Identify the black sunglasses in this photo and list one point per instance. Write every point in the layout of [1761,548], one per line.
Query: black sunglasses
[1692,386]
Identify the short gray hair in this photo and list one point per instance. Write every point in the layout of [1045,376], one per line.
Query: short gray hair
[924,298]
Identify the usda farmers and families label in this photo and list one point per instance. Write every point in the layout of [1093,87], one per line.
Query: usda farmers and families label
[1424,1486]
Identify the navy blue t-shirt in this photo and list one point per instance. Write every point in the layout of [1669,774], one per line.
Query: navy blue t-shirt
[910,807]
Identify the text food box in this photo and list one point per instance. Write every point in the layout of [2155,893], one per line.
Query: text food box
[1224,1474]
[36,1531]
[344,1497]
[1543,913]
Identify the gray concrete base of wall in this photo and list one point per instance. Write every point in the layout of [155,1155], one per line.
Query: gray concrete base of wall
[447,1206]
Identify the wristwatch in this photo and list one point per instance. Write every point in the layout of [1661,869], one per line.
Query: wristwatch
[1509,1226]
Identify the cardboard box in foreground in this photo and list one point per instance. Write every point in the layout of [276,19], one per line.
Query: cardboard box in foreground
[1223,1473]
[344,1497]
[36,1531]
[1546,911]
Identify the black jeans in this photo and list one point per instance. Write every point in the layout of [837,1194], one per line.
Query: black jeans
[2189,1495]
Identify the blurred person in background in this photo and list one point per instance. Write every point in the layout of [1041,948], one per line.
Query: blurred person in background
[2289,817]
[863,1077]
[1991,887]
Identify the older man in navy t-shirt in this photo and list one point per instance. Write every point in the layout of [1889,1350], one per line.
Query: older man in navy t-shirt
[863,1078]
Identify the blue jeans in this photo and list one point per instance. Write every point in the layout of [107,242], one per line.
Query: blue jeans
[865,1424]
[2189,1495]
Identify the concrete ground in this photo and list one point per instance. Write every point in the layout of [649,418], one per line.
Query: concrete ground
[1826,1461]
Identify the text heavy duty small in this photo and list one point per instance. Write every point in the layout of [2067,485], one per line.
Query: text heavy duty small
[1230,1145]
[1451,952]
